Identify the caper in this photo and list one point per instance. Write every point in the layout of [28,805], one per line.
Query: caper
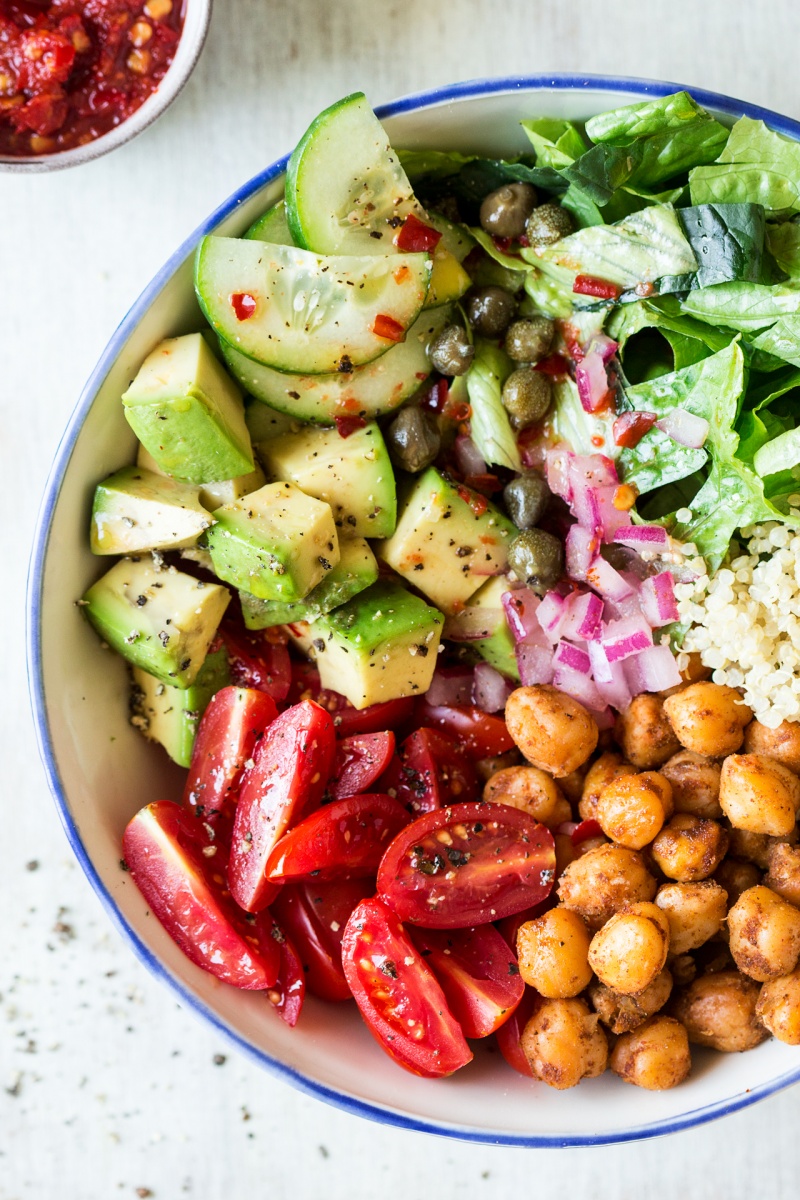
[527,395]
[505,211]
[413,439]
[450,351]
[536,558]
[529,339]
[526,498]
[490,310]
[547,224]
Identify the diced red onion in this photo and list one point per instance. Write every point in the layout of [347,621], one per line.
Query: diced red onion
[684,428]
[472,624]
[654,670]
[592,382]
[604,346]
[607,581]
[557,471]
[629,635]
[520,607]
[592,470]
[468,457]
[586,507]
[580,687]
[568,655]
[490,688]
[615,690]
[583,620]
[580,549]
[657,596]
[643,537]
[602,671]
[450,685]
[535,664]
[604,720]
[552,612]
[612,519]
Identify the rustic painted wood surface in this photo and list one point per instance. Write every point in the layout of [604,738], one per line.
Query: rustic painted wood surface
[106,1086]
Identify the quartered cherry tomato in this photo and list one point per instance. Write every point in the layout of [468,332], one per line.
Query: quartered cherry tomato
[255,659]
[315,915]
[509,1035]
[233,723]
[478,974]
[181,874]
[429,771]
[399,997]
[344,840]
[390,714]
[291,767]
[466,865]
[480,734]
[360,760]
[288,992]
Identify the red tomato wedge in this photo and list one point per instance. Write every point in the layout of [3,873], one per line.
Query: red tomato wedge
[315,915]
[360,760]
[288,992]
[255,660]
[466,865]
[390,714]
[291,767]
[344,840]
[226,738]
[480,734]
[509,1035]
[430,771]
[177,869]
[478,974]
[399,997]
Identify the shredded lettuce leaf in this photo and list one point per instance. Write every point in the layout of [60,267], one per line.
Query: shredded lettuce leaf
[568,422]
[756,166]
[490,427]
[747,307]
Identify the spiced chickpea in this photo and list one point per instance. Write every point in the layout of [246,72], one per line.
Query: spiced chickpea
[623,1013]
[778,1008]
[764,934]
[783,873]
[683,969]
[644,734]
[689,849]
[553,731]
[719,1011]
[604,770]
[566,852]
[655,1056]
[631,949]
[632,809]
[695,912]
[708,718]
[602,881]
[572,784]
[736,877]
[487,767]
[695,783]
[695,669]
[757,847]
[531,790]
[759,794]
[564,1043]
[553,953]
[782,743]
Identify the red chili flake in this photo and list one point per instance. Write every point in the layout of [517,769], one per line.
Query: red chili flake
[386,327]
[630,427]
[436,398]
[243,304]
[415,236]
[590,285]
[347,425]
[477,503]
[554,364]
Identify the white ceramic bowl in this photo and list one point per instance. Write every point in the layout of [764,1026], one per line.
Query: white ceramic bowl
[101,771]
[193,36]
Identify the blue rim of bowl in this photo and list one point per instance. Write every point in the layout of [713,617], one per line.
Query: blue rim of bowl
[352,1104]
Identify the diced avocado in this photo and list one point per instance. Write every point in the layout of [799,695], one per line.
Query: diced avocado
[136,510]
[355,571]
[212,495]
[264,422]
[448,539]
[353,474]
[171,715]
[380,646]
[156,617]
[498,648]
[187,411]
[277,543]
[197,554]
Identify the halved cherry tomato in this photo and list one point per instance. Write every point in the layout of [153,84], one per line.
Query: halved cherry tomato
[181,874]
[481,735]
[467,865]
[289,990]
[360,760]
[315,915]
[478,974]
[509,1035]
[389,714]
[399,997]
[291,767]
[231,726]
[344,840]
[256,661]
[430,771]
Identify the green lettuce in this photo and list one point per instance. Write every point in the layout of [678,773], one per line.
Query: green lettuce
[490,427]
[782,340]
[747,307]
[728,242]
[569,422]
[780,453]
[557,143]
[756,166]
[783,243]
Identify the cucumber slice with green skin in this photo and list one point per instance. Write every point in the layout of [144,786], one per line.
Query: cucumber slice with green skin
[369,391]
[273,227]
[307,313]
[455,238]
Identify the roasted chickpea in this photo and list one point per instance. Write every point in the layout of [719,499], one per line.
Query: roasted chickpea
[714,957]
[764,934]
[736,877]
[644,733]
[604,880]
[683,969]
[783,874]
[695,912]
[757,847]
[623,1013]
[631,949]
[708,718]
[778,1008]
[572,784]
[695,784]
[689,849]
[632,809]
[487,767]
[566,852]
[782,743]
[564,1043]
[604,770]
[531,790]
[553,953]
[553,731]
[720,1011]
[695,669]
[655,1056]
[759,794]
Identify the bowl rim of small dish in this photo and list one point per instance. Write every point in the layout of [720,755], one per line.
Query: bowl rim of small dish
[470,89]
[169,88]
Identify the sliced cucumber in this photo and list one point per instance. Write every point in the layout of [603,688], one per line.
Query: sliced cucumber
[272,227]
[456,239]
[369,391]
[311,314]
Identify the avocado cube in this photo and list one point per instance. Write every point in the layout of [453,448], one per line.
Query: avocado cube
[212,495]
[170,715]
[264,422]
[136,510]
[498,648]
[277,543]
[353,474]
[380,646]
[188,413]
[355,571]
[448,540]
[156,617]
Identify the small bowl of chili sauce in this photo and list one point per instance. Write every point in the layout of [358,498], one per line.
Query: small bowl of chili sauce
[80,77]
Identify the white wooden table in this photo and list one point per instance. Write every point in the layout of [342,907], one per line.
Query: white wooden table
[107,1088]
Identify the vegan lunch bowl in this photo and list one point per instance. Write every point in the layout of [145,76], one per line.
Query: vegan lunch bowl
[415,612]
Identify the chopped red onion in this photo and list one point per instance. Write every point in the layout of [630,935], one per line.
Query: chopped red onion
[585,506]
[535,664]
[684,428]
[593,470]
[592,382]
[520,607]
[602,671]
[643,537]
[568,655]
[657,596]
[490,689]
[613,519]
[472,624]
[557,471]
[607,581]
[552,612]
[606,719]
[580,549]
[629,635]
[468,457]
[615,690]
[583,620]
[604,346]
[579,686]
[450,685]
[653,670]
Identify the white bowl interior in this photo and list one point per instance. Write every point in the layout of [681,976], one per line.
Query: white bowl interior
[105,771]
